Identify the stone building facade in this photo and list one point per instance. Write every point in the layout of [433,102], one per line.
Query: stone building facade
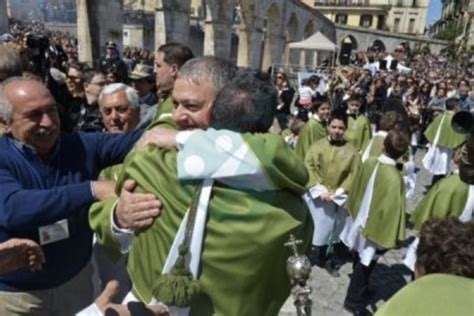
[399,16]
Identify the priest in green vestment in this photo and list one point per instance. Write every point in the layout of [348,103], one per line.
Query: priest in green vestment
[358,131]
[255,205]
[377,216]
[333,166]
[443,140]
[452,196]
[315,129]
[388,121]
[444,283]
[433,295]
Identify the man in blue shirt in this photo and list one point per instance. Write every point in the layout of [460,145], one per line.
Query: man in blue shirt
[46,188]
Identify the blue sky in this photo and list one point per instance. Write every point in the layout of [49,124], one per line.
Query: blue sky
[434,11]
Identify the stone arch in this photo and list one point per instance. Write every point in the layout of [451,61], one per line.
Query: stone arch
[308,29]
[348,44]
[379,44]
[273,37]
[291,57]
[350,39]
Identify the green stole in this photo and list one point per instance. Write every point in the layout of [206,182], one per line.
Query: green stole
[313,131]
[433,295]
[386,222]
[358,132]
[446,198]
[376,146]
[447,136]
[243,263]
[332,165]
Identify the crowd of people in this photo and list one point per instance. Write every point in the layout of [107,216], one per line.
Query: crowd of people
[182,177]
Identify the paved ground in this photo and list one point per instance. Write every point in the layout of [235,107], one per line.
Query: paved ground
[389,275]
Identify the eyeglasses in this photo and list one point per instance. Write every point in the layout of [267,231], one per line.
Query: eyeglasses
[279,77]
[73,77]
[398,50]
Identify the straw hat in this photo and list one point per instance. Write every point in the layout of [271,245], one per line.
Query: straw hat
[142,71]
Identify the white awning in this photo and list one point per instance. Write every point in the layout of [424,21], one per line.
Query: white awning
[316,41]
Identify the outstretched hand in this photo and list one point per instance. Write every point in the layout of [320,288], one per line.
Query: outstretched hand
[136,210]
[18,253]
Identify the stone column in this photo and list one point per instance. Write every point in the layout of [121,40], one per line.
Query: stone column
[250,47]
[302,57]
[106,24]
[217,38]
[171,25]
[273,50]
[83,33]
[3,17]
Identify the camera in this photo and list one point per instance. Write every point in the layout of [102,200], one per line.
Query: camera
[37,41]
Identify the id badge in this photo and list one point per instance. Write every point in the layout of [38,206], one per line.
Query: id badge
[54,232]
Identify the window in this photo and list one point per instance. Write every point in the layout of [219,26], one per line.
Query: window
[411,26]
[396,25]
[341,18]
[365,20]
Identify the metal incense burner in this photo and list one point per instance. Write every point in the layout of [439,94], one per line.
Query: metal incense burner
[299,270]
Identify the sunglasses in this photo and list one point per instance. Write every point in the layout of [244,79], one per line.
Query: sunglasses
[398,51]
[279,77]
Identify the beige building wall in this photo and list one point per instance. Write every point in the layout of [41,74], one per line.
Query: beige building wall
[409,18]
[404,16]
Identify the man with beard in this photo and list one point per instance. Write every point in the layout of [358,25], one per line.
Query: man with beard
[46,187]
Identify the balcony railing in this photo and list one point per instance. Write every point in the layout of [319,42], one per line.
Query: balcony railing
[344,3]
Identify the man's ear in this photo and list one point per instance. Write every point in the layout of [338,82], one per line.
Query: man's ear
[4,125]
[174,70]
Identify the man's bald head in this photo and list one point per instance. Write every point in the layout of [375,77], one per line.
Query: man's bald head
[29,113]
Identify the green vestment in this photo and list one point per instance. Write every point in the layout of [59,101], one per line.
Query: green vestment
[286,132]
[386,221]
[432,295]
[376,147]
[332,165]
[243,263]
[358,132]
[313,131]
[447,136]
[446,198]
[111,173]
[165,110]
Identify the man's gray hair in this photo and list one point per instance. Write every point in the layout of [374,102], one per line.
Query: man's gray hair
[208,68]
[113,88]
[10,63]
[5,105]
